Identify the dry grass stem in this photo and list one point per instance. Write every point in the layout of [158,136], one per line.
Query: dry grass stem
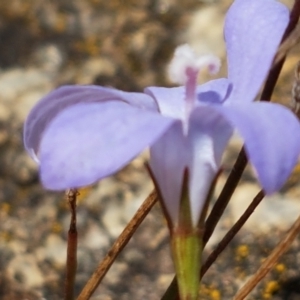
[232,233]
[287,45]
[117,247]
[270,261]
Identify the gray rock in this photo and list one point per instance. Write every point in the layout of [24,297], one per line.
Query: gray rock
[24,169]
[95,238]
[24,268]
[55,250]
[93,67]
[113,219]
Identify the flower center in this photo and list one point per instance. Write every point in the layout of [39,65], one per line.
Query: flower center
[184,69]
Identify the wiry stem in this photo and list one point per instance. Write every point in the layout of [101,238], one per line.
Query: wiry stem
[117,247]
[270,261]
[226,193]
[232,232]
[72,247]
[276,69]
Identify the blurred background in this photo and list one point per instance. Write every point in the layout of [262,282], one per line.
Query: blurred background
[126,45]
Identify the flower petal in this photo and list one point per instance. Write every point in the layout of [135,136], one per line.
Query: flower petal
[208,136]
[168,159]
[272,139]
[171,101]
[56,101]
[253,31]
[214,91]
[89,141]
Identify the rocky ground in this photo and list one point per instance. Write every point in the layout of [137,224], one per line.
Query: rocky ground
[127,45]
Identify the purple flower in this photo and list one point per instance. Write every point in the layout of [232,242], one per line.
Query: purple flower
[80,134]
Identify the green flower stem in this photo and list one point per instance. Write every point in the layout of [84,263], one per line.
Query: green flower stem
[186,250]
[186,246]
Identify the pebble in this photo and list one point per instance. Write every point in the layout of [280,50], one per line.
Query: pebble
[24,169]
[49,57]
[55,250]
[24,268]
[27,100]
[93,67]
[115,273]
[164,280]
[18,81]
[46,210]
[95,237]
[133,256]
[113,219]
[5,112]
[205,32]
[273,212]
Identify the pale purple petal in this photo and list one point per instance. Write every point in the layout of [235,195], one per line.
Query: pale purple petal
[272,139]
[171,101]
[168,159]
[208,136]
[89,141]
[214,91]
[56,101]
[253,30]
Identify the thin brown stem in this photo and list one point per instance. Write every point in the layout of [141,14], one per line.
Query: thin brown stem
[225,196]
[278,64]
[288,44]
[232,233]
[72,247]
[117,247]
[270,261]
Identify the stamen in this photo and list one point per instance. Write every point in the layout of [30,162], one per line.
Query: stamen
[185,67]
[190,89]
[184,58]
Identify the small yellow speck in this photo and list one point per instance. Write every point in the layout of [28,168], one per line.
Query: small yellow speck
[280,268]
[5,236]
[271,287]
[242,251]
[56,227]
[215,295]
[88,46]
[60,24]
[83,193]
[267,296]
[5,207]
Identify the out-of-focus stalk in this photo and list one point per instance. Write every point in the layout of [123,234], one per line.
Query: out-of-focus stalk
[72,247]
